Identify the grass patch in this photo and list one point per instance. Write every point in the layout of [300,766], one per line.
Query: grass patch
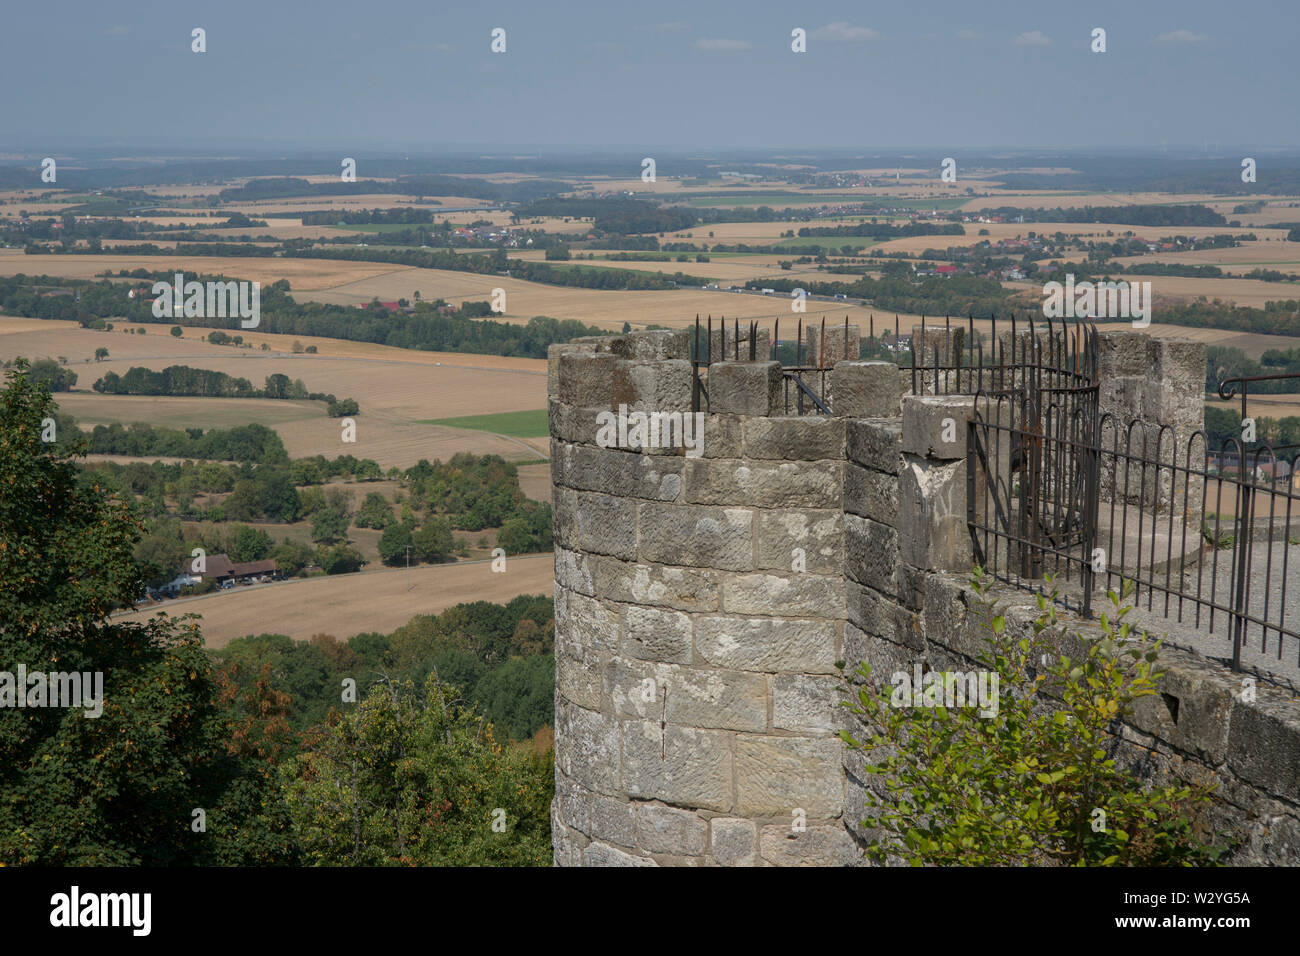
[529,424]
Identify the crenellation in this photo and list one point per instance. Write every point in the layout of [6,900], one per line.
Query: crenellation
[702,605]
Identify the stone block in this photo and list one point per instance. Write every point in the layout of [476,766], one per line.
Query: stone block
[798,595]
[934,426]
[684,589]
[932,520]
[716,699]
[566,845]
[875,443]
[652,345]
[564,517]
[652,634]
[871,494]
[807,704]
[653,386]
[776,775]
[805,438]
[723,437]
[606,525]
[572,571]
[635,688]
[614,472]
[733,841]
[763,484]
[818,534]
[570,423]
[574,804]
[585,621]
[1264,744]
[586,379]
[669,830]
[732,345]
[697,536]
[553,353]
[823,845]
[1123,354]
[578,674]
[678,765]
[866,390]
[613,821]
[587,747]
[871,553]
[765,644]
[600,854]
[1193,708]
[944,343]
[745,388]
[841,344]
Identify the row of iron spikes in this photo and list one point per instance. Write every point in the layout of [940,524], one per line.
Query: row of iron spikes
[972,345]
[753,340]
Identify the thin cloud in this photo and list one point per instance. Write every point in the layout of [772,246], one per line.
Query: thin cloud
[720,45]
[1033,38]
[1181,38]
[967,35]
[118,31]
[672,26]
[841,32]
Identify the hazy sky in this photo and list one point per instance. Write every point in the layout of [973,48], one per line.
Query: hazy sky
[668,75]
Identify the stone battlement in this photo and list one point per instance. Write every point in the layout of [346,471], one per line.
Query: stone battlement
[704,596]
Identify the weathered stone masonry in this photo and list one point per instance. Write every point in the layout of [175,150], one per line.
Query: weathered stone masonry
[702,604]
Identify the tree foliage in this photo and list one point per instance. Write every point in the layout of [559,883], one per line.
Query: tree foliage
[1036,782]
[118,788]
[419,780]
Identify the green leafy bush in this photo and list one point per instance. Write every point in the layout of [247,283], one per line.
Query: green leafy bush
[1035,782]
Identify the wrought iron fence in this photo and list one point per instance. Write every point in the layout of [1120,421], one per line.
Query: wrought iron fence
[1056,487]
[805,382]
[1032,451]
[1204,535]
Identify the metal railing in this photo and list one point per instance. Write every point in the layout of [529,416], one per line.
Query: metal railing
[804,382]
[1202,535]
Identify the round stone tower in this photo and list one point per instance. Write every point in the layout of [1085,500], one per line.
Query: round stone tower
[701,607]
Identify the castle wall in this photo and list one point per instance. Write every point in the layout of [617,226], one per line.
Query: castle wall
[702,603]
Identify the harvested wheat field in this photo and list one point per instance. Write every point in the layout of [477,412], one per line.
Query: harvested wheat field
[604,308]
[395,388]
[348,604]
[302,426]
[723,267]
[388,382]
[1248,292]
[303,274]
[1262,406]
[50,334]
[1270,252]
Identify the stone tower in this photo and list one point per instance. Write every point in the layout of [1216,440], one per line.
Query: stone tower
[706,586]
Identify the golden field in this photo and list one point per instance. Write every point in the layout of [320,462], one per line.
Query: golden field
[395,388]
[348,604]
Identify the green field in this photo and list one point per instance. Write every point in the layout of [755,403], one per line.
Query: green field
[826,242]
[529,424]
[378,227]
[755,198]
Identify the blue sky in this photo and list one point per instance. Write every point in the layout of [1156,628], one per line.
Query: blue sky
[669,76]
